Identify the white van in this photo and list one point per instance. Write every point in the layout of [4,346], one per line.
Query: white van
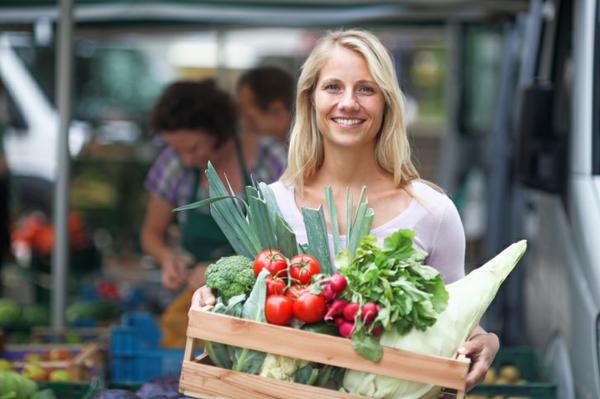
[32,126]
[557,193]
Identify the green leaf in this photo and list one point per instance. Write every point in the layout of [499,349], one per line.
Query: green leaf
[286,239]
[258,215]
[367,346]
[318,241]
[204,202]
[269,197]
[247,360]
[335,230]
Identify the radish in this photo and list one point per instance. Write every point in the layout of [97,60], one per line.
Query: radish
[346,328]
[329,292]
[338,283]
[335,309]
[350,311]
[369,312]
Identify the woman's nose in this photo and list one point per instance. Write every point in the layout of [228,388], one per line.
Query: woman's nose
[348,102]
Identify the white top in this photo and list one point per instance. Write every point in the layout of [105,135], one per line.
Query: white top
[431,214]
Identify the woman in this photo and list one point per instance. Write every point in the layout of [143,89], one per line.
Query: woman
[198,122]
[349,131]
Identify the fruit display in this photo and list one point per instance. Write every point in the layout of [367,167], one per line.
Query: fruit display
[52,363]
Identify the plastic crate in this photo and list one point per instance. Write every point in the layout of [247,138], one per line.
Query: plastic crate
[135,353]
[66,390]
[539,384]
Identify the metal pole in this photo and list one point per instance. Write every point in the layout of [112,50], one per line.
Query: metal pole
[60,255]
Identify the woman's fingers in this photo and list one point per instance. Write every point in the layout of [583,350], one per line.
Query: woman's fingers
[202,296]
[481,350]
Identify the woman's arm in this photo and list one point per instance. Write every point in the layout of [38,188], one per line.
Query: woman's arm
[153,236]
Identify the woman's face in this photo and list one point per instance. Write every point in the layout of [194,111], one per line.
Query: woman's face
[349,105]
[194,147]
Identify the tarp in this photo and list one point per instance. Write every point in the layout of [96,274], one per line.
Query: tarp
[286,13]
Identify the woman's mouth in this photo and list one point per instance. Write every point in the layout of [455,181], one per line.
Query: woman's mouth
[348,122]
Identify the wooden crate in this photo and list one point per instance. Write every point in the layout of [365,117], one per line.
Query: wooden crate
[199,379]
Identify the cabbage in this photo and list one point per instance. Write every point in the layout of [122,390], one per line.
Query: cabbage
[468,300]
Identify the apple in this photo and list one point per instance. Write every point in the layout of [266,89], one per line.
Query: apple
[33,357]
[34,372]
[60,375]
[5,365]
[59,354]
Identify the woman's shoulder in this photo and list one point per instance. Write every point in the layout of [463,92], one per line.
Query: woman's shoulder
[429,195]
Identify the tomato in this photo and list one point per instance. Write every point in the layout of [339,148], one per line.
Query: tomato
[310,307]
[272,260]
[279,309]
[303,267]
[295,291]
[275,285]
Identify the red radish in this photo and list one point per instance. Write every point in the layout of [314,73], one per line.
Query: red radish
[328,292]
[376,331]
[335,309]
[345,329]
[339,321]
[350,311]
[338,283]
[369,312]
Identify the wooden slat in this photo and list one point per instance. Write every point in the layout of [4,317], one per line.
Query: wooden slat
[204,381]
[321,348]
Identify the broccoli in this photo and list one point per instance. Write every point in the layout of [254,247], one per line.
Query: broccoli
[231,276]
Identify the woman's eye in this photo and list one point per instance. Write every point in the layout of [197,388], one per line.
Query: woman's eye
[333,87]
[366,90]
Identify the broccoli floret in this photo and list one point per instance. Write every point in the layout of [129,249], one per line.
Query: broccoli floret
[231,276]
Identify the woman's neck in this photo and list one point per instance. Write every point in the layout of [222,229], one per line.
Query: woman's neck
[346,167]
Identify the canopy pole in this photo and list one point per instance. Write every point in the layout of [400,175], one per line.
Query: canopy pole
[60,254]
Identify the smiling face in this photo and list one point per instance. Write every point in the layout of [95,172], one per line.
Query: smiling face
[194,147]
[349,105]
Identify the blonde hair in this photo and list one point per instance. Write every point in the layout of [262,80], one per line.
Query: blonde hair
[306,152]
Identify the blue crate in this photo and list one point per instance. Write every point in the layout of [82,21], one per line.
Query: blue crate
[135,354]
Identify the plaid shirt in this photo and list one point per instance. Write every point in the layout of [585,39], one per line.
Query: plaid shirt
[169,179]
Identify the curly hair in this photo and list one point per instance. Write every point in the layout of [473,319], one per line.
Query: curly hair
[195,106]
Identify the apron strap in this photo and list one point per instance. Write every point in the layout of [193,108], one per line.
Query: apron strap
[240,154]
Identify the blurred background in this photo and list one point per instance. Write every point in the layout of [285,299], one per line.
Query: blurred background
[465,66]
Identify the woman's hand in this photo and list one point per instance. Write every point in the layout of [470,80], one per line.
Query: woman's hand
[481,348]
[174,271]
[203,296]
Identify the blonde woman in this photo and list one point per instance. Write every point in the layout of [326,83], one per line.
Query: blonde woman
[349,131]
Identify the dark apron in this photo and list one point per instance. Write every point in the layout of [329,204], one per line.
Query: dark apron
[202,237]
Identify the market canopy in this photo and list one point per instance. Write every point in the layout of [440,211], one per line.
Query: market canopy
[292,13]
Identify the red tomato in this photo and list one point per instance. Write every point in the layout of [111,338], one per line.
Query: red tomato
[272,260]
[295,291]
[310,307]
[275,285]
[303,267]
[279,309]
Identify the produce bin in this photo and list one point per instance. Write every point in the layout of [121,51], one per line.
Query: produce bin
[81,361]
[535,381]
[202,380]
[66,390]
[135,355]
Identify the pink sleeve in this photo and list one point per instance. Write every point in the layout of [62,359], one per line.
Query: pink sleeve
[448,246]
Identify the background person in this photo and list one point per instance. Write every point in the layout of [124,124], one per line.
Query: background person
[198,122]
[265,98]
